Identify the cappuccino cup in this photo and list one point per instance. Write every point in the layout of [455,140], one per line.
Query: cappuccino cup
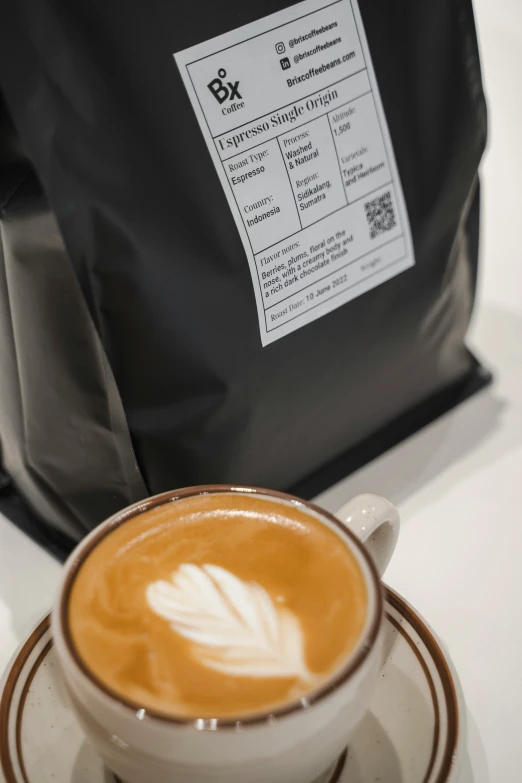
[220,634]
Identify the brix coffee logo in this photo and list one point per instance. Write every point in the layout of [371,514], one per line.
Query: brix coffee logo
[223,91]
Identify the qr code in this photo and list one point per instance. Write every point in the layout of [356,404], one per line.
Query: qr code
[380,214]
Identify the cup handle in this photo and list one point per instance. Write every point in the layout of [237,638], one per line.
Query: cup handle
[376,522]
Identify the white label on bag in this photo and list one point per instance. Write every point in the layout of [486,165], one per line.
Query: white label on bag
[291,113]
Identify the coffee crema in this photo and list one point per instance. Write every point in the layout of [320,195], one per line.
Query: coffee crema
[217,605]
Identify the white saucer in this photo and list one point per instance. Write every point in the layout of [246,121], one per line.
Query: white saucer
[413,732]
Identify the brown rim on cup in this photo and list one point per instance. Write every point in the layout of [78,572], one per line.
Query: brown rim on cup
[355,660]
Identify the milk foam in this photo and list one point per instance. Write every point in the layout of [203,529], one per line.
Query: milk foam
[219,605]
[234,625]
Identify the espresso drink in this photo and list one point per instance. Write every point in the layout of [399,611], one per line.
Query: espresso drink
[217,605]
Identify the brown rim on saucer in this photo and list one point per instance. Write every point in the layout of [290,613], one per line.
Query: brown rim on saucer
[6,764]
[448,685]
[354,662]
[432,646]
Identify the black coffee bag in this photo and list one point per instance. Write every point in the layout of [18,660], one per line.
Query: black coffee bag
[232,260]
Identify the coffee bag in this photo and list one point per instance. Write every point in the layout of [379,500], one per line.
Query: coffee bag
[192,308]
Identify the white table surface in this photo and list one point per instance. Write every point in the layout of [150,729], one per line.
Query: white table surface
[458,483]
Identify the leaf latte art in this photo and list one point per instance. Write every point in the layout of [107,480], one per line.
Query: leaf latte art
[234,625]
[217,606]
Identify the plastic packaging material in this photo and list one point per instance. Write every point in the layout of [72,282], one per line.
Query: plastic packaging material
[130,355]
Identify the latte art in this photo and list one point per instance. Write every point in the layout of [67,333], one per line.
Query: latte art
[234,625]
[217,605]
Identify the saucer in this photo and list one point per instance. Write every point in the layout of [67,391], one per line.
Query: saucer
[413,732]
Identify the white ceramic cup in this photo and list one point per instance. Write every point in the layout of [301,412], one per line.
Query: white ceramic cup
[294,744]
